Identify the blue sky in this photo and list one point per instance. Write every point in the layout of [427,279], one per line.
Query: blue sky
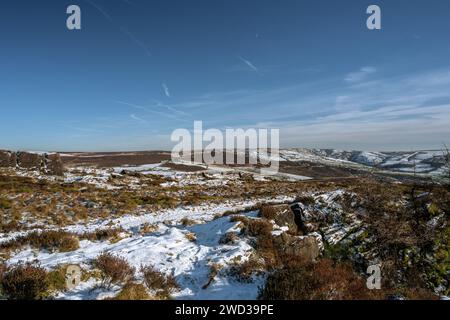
[140,69]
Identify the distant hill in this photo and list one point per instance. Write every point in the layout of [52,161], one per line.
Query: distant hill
[425,161]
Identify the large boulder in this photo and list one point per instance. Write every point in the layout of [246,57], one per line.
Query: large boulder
[131,173]
[13,160]
[54,165]
[302,220]
[29,160]
[282,215]
[7,159]
[305,248]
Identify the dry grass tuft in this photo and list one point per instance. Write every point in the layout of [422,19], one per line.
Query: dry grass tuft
[268,212]
[317,281]
[187,222]
[114,269]
[214,270]
[25,282]
[52,241]
[191,236]
[133,291]
[243,272]
[156,281]
[229,238]
[148,228]
[101,235]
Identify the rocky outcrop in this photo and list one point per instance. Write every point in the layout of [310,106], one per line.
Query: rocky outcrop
[28,160]
[55,165]
[300,220]
[306,248]
[7,159]
[131,173]
[246,176]
[50,164]
[282,215]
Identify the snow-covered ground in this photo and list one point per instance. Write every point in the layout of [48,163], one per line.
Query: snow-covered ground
[202,214]
[169,248]
[170,251]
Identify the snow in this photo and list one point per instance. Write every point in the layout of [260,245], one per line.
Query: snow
[41,153]
[264,156]
[169,251]
[168,248]
[202,213]
[327,208]
[370,158]
[96,177]
[145,167]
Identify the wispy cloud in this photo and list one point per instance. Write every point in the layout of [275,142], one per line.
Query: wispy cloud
[410,111]
[172,109]
[166,90]
[360,75]
[401,112]
[100,9]
[136,41]
[81,131]
[138,119]
[131,105]
[122,29]
[163,110]
[391,128]
[249,64]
